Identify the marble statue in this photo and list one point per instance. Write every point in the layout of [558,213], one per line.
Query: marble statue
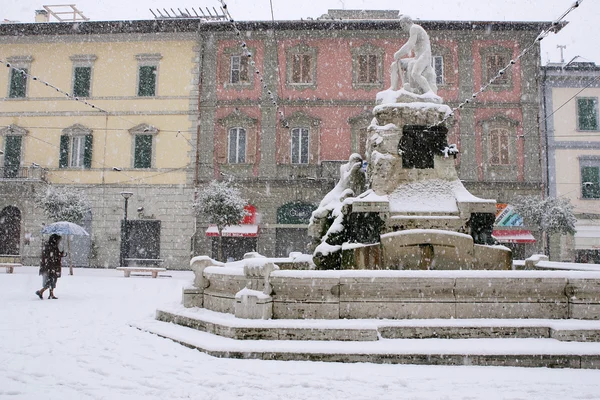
[414,74]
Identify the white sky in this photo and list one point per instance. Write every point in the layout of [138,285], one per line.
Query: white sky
[579,36]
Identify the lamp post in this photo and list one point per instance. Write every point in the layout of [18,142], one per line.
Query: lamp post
[124,230]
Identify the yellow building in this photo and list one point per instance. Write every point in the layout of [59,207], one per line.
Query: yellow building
[105,107]
[572,122]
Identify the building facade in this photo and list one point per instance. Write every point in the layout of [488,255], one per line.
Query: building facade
[134,134]
[326,75]
[572,135]
[179,102]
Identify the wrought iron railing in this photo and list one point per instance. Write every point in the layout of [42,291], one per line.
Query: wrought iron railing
[23,173]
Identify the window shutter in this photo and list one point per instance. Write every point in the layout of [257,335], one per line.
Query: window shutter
[12,156]
[18,83]
[588,117]
[63,160]
[251,145]
[590,182]
[87,151]
[147,84]
[81,86]
[143,151]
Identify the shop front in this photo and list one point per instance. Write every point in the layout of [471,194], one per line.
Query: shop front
[237,239]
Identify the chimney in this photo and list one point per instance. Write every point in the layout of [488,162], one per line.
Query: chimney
[41,16]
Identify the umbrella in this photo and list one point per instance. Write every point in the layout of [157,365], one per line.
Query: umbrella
[65,228]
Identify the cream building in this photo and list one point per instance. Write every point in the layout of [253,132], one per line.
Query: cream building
[571,94]
[132,130]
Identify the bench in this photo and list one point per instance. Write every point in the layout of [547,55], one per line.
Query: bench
[128,270]
[141,262]
[10,262]
[9,266]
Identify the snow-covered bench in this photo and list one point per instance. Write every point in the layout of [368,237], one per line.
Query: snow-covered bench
[10,262]
[128,270]
[9,266]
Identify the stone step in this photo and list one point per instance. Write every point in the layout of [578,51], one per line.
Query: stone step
[228,326]
[549,353]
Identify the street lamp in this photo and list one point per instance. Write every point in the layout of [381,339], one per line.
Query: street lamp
[124,230]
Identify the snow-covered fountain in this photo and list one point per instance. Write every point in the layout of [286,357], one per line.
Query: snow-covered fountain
[406,211]
[415,213]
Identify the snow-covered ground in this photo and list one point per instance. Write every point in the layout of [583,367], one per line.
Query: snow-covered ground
[82,347]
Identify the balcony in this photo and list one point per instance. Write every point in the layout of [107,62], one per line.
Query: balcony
[23,173]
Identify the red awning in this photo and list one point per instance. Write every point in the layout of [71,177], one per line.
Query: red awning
[513,236]
[244,230]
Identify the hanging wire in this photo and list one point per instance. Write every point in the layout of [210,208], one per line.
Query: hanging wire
[552,28]
[59,90]
[248,54]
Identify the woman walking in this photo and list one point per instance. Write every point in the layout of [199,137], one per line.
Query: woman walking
[50,267]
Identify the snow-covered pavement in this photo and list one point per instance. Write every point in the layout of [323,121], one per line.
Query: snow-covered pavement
[82,347]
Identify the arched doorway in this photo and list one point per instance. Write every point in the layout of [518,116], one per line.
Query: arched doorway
[10,230]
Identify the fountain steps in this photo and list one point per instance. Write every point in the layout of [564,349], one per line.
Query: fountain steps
[526,343]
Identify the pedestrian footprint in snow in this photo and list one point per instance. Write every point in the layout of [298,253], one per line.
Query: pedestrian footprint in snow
[50,267]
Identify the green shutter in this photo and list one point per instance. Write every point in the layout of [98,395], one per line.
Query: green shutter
[12,156]
[587,114]
[18,83]
[63,161]
[87,151]
[82,81]
[147,84]
[590,182]
[143,151]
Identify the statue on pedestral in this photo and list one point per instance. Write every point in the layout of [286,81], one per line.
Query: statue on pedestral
[415,74]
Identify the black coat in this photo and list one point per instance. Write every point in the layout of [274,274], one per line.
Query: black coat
[51,259]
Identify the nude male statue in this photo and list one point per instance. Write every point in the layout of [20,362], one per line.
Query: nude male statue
[414,74]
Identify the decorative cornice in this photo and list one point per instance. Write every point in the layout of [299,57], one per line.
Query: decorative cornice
[13,129]
[143,129]
[77,130]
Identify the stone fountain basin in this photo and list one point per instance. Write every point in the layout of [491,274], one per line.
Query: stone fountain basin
[374,294]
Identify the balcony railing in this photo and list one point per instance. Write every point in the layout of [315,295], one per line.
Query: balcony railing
[23,173]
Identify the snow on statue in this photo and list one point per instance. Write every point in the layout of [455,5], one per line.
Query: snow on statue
[415,74]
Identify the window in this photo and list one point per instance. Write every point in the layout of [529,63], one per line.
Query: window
[494,63]
[12,156]
[367,68]
[237,146]
[499,153]
[82,74]
[76,147]
[147,74]
[301,68]
[143,151]
[587,114]
[590,182]
[18,83]
[147,83]
[82,81]
[301,62]
[239,69]
[437,62]
[590,177]
[299,146]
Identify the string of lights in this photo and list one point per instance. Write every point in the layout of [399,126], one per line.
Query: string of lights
[512,62]
[76,98]
[249,55]
[59,90]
